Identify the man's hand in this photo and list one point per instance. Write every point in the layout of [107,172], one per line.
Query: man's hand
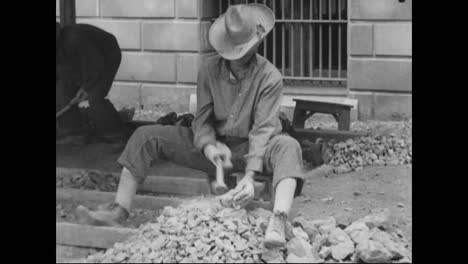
[219,151]
[244,192]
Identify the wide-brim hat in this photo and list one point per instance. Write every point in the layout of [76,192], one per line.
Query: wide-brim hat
[235,32]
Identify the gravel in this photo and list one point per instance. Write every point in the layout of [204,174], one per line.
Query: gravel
[203,231]
[387,143]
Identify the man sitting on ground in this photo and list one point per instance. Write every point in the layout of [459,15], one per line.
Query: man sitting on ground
[238,95]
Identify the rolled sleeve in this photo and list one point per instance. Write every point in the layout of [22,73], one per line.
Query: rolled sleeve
[203,130]
[266,124]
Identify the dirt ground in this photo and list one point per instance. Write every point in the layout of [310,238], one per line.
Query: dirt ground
[355,194]
[346,197]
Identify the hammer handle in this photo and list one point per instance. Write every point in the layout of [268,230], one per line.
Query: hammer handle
[219,172]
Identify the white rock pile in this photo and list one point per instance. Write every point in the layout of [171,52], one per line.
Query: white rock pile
[202,231]
[355,154]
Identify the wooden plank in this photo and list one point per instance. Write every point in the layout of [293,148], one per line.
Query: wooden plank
[176,185]
[326,135]
[90,236]
[140,201]
[321,107]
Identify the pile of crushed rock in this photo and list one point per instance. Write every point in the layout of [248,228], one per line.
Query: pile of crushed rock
[387,143]
[355,154]
[203,231]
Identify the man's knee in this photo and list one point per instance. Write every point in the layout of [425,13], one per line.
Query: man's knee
[149,132]
[286,142]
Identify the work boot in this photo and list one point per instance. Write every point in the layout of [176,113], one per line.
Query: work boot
[106,215]
[275,232]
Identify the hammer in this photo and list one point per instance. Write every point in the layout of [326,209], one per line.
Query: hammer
[80,96]
[219,187]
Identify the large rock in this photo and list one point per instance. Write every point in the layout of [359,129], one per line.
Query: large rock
[292,258]
[396,250]
[273,256]
[299,247]
[342,250]
[324,226]
[300,251]
[373,252]
[298,232]
[306,225]
[341,244]
[319,242]
[325,252]
[358,231]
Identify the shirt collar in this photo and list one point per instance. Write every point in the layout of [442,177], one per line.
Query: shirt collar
[227,74]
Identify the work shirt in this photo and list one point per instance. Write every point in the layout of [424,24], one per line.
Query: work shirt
[83,54]
[247,107]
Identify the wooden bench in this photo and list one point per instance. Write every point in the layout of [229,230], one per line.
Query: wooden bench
[307,108]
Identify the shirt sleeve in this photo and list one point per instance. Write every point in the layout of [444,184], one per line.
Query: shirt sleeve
[202,124]
[266,125]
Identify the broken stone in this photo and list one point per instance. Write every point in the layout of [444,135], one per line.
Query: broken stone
[324,226]
[325,252]
[306,225]
[342,246]
[298,232]
[319,242]
[342,250]
[292,258]
[373,252]
[404,260]
[397,252]
[299,247]
[273,256]
[358,232]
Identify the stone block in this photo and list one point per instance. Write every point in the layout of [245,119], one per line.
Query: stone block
[153,67]
[87,8]
[187,67]
[171,35]
[365,105]
[204,41]
[380,74]
[381,9]
[393,39]
[125,95]
[393,106]
[361,39]
[127,33]
[166,98]
[138,8]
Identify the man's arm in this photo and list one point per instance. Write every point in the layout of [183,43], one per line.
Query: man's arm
[266,125]
[204,133]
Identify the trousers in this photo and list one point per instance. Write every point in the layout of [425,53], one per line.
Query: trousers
[148,144]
